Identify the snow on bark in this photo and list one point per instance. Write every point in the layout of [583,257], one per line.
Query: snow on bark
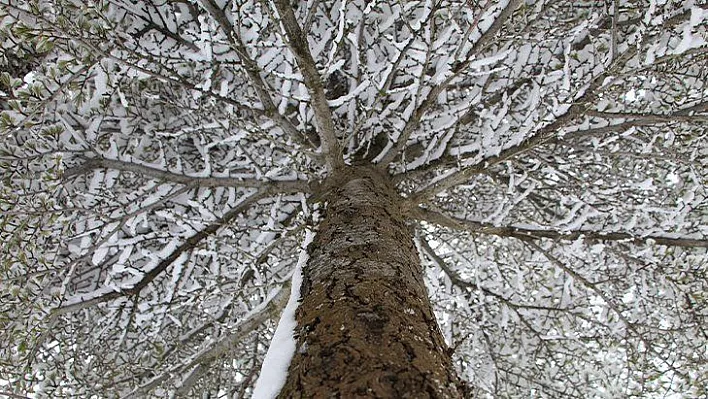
[274,370]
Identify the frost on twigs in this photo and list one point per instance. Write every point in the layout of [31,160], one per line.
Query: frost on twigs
[157,160]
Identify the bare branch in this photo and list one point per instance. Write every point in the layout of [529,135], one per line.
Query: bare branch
[611,304]
[13,395]
[454,277]
[151,25]
[615,18]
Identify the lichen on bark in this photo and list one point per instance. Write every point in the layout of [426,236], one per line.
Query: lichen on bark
[365,324]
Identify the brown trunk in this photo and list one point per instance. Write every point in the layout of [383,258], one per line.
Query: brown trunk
[365,324]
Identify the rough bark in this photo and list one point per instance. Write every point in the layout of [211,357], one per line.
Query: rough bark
[365,324]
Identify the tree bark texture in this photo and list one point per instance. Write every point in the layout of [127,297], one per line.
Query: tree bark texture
[365,324]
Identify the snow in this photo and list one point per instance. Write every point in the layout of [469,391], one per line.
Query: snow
[646,185]
[487,61]
[348,97]
[274,370]
[689,41]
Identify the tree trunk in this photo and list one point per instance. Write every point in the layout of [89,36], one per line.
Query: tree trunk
[365,324]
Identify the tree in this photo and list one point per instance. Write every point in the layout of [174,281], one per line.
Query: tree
[484,198]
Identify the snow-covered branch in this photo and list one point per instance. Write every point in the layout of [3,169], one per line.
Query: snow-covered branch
[689,114]
[432,96]
[158,160]
[532,233]
[252,70]
[548,133]
[198,181]
[464,284]
[548,136]
[297,41]
[82,301]
[269,309]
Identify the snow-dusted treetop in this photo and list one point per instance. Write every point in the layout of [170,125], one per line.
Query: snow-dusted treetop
[158,160]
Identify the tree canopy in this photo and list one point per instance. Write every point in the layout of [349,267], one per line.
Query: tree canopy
[158,161]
